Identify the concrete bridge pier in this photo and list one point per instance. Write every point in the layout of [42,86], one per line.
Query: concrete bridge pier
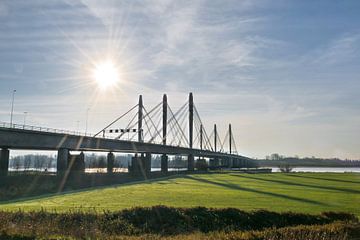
[147,163]
[62,160]
[230,162]
[164,163]
[141,164]
[235,163]
[136,165]
[76,163]
[69,163]
[191,162]
[110,162]
[214,162]
[4,161]
[201,164]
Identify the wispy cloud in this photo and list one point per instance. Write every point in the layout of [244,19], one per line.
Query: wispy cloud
[267,67]
[340,50]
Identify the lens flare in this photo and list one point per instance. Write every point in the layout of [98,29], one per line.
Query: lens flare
[106,74]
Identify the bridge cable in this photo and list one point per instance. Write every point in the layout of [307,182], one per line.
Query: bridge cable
[153,124]
[204,130]
[153,111]
[129,126]
[181,120]
[234,144]
[115,120]
[177,138]
[225,140]
[183,136]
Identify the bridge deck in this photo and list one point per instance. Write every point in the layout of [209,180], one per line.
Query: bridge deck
[13,138]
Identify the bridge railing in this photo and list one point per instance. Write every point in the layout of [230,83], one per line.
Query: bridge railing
[42,129]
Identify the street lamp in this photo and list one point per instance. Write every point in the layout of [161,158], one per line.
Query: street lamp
[25,113]
[12,108]
[87,117]
[77,126]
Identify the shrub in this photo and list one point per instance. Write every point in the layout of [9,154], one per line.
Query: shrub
[164,221]
[159,219]
[286,168]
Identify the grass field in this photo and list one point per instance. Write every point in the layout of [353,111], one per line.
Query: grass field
[299,192]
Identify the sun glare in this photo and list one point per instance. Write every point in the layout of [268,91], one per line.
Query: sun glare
[106,74]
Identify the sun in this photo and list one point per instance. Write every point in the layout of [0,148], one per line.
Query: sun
[106,74]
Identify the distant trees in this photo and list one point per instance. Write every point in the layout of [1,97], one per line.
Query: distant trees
[100,161]
[32,162]
[178,162]
[27,162]
[275,160]
[286,168]
[16,163]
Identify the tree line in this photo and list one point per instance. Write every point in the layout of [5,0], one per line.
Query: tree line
[38,162]
[276,159]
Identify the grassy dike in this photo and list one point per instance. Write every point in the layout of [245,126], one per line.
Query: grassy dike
[296,192]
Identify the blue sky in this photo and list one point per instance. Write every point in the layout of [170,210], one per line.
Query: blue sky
[285,73]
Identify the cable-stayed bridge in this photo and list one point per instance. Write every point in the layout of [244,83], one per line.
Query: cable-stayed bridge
[141,131]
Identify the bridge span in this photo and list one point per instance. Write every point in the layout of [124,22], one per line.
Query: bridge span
[19,137]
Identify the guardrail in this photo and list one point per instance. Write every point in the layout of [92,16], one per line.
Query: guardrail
[43,129]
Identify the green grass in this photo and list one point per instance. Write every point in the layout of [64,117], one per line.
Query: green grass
[298,192]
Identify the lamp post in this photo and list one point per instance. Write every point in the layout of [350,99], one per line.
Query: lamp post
[87,117]
[77,126]
[25,113]
[12,108]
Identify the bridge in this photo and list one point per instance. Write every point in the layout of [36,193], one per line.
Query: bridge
[159,130]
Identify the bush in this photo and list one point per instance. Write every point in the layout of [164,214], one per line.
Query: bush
[113,224]
[5,236]
[160,220]
[286,168]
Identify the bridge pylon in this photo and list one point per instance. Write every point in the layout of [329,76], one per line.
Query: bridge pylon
[191,162]
[164,157]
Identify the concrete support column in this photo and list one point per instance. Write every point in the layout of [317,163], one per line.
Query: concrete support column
[62,160]
[147,162]
[4,161]
[234,163]
[214,162]
[110,162]
[137,165]
[201,164]
[230,162]
[191,162]
[134,168]
[164,163]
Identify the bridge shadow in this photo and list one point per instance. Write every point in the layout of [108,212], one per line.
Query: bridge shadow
[169,180]
[300,184]
[325,179]
[237,187]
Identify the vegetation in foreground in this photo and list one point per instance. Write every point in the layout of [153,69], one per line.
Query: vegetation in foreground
[173,223]
[296,192]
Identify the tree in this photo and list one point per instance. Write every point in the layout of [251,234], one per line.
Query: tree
[16,163]
[286,168]
[275,156]
[27,162]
